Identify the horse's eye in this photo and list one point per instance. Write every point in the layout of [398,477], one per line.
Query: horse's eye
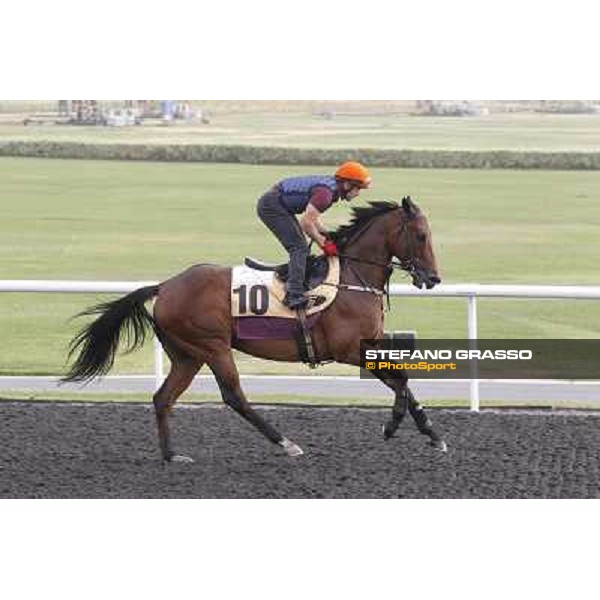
[421,238]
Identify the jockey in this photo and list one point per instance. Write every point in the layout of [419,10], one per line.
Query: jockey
[307,196]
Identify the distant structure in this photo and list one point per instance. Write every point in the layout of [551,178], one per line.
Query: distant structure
[119,113]
[167,110]
[173,109]
[568,107]
[87,112]
[80,112]
[94,112]
[64,108]
[440,108]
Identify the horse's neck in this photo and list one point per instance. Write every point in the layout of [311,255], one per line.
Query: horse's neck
[368,247]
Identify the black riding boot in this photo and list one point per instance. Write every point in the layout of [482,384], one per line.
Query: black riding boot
[295,297]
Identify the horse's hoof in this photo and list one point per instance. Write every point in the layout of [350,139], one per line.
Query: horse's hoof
[388,431]
[440,445]
[180,458]
[290,448]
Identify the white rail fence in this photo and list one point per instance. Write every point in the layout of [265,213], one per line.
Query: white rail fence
[470,291]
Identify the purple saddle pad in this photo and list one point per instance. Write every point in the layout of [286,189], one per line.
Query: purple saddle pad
[270,328]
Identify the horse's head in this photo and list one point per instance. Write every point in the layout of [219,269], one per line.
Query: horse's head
[410,241]
[406,234]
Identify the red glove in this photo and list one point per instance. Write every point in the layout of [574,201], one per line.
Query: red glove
[329,248]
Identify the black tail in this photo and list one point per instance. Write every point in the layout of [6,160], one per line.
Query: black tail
[97,343]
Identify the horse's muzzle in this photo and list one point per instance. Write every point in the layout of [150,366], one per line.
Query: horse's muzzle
[421,278]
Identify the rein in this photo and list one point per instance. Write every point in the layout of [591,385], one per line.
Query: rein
[406,265]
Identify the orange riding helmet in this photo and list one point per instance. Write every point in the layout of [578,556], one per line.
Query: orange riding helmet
[355,173]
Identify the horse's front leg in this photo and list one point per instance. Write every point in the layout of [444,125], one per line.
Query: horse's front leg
[424,424]
[401,395]
[404,400]
[398,383]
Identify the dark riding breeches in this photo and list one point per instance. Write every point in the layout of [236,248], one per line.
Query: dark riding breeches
[286,229]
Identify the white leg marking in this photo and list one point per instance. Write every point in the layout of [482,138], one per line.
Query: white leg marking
[290,448]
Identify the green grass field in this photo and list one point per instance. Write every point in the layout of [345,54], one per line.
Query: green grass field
[525,131]
[139,221]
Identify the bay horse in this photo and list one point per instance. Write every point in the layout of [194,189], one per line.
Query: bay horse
[193,320]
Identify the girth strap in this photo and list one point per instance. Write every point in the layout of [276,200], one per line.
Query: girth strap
[306,348]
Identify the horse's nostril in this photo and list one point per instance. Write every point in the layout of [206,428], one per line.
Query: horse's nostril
[435,279]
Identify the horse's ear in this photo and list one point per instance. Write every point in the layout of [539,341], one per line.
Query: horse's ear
[409,207]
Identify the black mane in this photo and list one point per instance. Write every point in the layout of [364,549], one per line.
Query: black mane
[361,215]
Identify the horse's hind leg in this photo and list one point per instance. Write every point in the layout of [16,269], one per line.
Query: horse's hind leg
[228,379]
[178,380]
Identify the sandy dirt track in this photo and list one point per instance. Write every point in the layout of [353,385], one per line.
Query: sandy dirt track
[58,450]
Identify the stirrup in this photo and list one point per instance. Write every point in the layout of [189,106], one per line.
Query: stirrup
[295,301]
[315,300]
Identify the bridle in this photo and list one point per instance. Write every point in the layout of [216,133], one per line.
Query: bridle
[408,264]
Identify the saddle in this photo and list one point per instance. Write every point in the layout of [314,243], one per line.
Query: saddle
[317,268]
[258,288]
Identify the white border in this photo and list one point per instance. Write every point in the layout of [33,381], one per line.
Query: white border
[263,50]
